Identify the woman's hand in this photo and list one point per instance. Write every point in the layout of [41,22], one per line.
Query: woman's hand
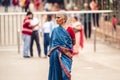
[78,27]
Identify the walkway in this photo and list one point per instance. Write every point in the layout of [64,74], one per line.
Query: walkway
[101,65]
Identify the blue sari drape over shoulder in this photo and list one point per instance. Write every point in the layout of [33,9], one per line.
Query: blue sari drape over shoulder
[60,37]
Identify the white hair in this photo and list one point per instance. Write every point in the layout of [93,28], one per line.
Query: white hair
[63,14]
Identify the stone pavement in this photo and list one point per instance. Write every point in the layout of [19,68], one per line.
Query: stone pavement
[88,65]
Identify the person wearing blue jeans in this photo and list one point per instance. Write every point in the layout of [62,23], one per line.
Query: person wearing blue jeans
[47,29]
[26,33]
[46,42]
[87,22]
[26,39]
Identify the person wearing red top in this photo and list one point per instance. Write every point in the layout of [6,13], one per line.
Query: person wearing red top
[26,6]
[114,22]
[15,4]
[78,28]
[27,32]
[37,4]
[72,34]
[27,29]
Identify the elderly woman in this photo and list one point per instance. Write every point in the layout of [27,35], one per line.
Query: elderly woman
[60,50]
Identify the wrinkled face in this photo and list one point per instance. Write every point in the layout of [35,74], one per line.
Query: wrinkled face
[60,19]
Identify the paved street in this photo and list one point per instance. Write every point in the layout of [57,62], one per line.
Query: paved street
[102,65]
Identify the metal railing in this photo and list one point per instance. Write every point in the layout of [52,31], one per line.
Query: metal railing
[11,25]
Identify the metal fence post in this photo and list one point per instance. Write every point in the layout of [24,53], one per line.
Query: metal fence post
[18,40]
[95,39]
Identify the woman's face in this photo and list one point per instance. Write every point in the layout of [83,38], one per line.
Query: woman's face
[60,19]
[73,19]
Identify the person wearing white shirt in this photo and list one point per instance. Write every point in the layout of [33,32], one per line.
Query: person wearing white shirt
[35,36]
[47,29]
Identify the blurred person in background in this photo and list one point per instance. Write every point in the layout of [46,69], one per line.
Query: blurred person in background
[35,36]
[26,34]
[87,22]
[22,4]
[15,4]
[27,30]
[59,2]
[31,6]
[71,32]
[94,6]
[48,26]
[114,22]
[26,6]
[76,8]
[56,6]
[78,28]
[6,4]
[48,7]
[37,4]
[42,6]
[69,5]
[62,8]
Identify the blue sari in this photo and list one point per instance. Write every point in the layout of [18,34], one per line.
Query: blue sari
[60,62]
